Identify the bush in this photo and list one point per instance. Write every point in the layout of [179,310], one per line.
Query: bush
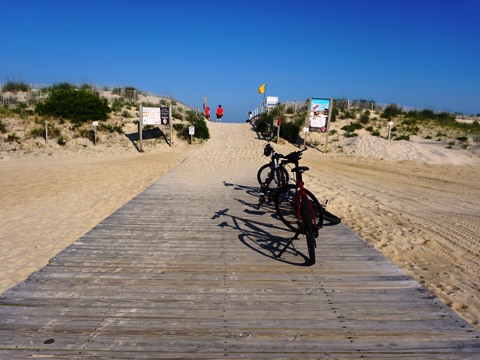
[38,132]
[201,129]
[352,127]
[3,128]
[76,105]
[11,86]
[61,141]
[290,131]
[12,138]
[391,111]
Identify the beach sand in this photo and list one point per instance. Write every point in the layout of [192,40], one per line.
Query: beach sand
[422,210]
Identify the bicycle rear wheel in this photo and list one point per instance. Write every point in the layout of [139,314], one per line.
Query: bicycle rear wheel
[286,207]
[308,229]
[269,180]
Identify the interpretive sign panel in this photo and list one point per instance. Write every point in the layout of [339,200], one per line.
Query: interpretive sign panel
[151,116]
[319,114]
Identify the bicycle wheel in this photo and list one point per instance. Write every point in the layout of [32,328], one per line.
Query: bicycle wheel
[286,207]
[308,229]
[267,179]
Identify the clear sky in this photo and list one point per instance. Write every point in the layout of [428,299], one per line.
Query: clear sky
[422,53]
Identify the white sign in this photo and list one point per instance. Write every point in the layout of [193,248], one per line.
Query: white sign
[151,116]
[191,130]
[306,129]
[272,101]
[95,123]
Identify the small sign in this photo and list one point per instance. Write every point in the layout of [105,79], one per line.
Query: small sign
[165,115]
[272,101]
[277,122]
[95,123]
[191,130]
[306,130]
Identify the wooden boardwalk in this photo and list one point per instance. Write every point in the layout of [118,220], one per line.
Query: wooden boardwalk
[186,270]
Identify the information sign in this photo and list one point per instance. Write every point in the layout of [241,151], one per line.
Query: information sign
[191,130]
[319,114]
[165,115]
[151,116]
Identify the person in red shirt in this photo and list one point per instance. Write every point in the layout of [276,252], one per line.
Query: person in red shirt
[207,112]
[219,113]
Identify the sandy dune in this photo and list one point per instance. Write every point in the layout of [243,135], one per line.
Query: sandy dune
[424,213]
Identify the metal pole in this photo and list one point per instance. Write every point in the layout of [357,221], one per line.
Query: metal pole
[140,126]
[170,120]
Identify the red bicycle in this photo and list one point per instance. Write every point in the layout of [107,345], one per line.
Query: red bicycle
[298,208]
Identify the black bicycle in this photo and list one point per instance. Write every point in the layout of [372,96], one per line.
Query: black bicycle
[271,176]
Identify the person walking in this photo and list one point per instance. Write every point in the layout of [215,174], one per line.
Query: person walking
[207,112]
[219,113]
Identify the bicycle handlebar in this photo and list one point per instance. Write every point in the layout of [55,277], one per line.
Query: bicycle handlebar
[294,156]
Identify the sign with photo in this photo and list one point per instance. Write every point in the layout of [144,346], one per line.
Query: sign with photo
[319,114]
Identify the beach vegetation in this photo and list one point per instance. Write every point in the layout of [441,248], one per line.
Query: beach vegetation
[111,128]
[76,105]
[462,138]
[352,127]
[402,137]
[198,121]
[12,86]
[38,132]
[126,114]
[391,111]
[12,138]
[3,127]
[61,141]
[117,105]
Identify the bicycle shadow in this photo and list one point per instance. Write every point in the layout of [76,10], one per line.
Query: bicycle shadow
[257,235]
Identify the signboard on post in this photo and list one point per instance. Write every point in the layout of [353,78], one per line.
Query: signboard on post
[151,116]
[271,101]
[164,115]
[319,114]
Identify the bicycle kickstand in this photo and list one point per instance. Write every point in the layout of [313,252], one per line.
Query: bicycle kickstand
[288,244]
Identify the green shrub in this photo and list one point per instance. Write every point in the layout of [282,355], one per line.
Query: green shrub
[76,105]
[3,127]
[352,127]
[111,128]
[462,138]
[61,141]
[12,138]
[391,111]
[402,137]
[38,132]
[290,131]
[117,105]
[12,86]
[364,119]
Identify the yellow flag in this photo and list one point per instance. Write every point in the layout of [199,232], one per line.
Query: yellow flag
[261,89]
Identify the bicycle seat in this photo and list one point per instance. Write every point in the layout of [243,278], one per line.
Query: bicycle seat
[300,169]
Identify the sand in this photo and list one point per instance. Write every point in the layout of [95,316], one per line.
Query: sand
[416,203]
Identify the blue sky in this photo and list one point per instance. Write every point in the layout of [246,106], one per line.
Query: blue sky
[409,52]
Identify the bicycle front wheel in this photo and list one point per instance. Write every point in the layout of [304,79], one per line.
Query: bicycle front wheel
[307,224]
[286,208]
[269,180]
